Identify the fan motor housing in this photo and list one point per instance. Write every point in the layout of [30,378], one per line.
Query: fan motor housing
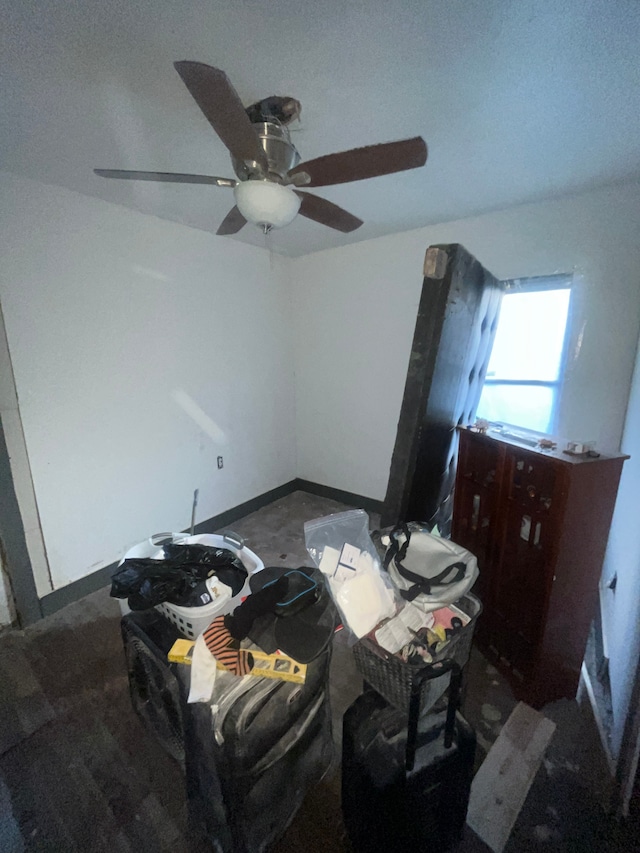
[281,152]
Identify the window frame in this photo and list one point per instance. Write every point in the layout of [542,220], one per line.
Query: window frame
[537,284]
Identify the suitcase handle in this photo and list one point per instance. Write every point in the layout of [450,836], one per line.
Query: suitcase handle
[435,670]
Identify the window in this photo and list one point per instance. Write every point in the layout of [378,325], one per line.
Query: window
[525,370]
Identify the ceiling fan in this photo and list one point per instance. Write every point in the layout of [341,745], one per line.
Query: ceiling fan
[267,163]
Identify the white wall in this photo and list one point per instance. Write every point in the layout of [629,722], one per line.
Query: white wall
[621,609]
[355,310]
[142,350]
[20,470]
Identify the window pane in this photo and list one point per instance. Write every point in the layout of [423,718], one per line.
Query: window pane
[527,406]
[530,336]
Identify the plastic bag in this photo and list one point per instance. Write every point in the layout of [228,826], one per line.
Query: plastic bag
[146,582]
[221,562]
[341,547]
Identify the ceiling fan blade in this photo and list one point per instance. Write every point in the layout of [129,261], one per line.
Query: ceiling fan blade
[222,107]
[327,213]
[167,177]
[372,161]
[232,223]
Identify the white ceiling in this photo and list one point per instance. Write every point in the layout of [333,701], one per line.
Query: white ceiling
[518,100]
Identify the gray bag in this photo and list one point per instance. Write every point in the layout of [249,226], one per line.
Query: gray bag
[428,570]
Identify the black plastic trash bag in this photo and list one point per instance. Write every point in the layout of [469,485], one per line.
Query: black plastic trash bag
[221,562]
[146,582]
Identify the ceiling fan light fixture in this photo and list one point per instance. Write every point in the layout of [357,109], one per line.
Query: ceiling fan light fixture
[267,162]
[266,203]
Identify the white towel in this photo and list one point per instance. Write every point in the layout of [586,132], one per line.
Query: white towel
[203,672]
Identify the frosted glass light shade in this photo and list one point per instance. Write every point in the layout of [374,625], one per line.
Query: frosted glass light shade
[266,203]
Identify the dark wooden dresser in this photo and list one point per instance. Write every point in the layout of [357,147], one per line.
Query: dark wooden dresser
[538,522]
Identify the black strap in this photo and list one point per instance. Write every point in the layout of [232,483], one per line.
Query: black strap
[421,585]
[424,585]
[394,550]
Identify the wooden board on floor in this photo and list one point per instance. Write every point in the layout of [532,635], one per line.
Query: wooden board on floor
[502,783]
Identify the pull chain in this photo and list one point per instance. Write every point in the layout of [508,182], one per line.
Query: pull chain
[268,243]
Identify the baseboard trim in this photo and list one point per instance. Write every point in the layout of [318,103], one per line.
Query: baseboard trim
[60,598]
[350,498]
[599,697]
[600,714]
[76,590]
[223,519]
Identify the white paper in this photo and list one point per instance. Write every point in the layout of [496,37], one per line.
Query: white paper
[395,633]
[329,561]
[349,556]
[347,564]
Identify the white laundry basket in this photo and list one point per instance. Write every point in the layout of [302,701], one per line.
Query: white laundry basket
[192,621]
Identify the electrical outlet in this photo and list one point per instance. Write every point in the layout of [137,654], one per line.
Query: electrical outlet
[220,462]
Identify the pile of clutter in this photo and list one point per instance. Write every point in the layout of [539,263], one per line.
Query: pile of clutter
[178,574]
[399,596]
[238,616]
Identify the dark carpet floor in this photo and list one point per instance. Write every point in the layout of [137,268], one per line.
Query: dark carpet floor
[79,773]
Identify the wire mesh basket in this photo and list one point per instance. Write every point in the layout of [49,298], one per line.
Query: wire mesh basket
[392,678]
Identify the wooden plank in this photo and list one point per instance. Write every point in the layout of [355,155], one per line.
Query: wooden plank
[502,783]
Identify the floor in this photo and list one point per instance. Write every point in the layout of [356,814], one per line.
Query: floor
[79,773]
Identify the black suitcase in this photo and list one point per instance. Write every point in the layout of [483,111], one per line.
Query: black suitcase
[154,688]
[248,765]
[405,783]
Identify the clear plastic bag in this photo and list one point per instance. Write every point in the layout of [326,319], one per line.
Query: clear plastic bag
[341,547]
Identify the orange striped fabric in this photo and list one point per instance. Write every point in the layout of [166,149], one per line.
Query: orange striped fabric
[226,650]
